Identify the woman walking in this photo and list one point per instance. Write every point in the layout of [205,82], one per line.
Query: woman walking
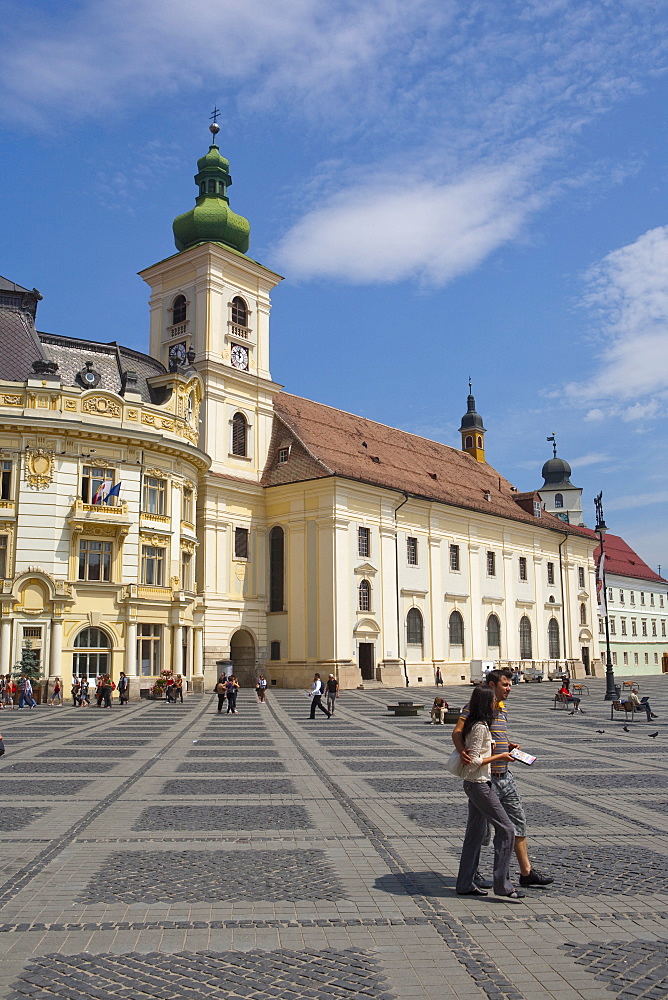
[57,696]
[220,689]
[231,690]
[484,804]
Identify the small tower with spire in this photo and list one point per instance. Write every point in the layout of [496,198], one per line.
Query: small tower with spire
[472,430]
[557,492]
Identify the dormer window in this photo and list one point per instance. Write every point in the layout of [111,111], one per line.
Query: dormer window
[239,312]
[537,508]
[179,310]
[283,455]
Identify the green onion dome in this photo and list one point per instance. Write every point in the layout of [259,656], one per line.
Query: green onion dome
[212,220]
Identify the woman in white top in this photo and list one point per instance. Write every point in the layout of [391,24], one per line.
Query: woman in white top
[484,804]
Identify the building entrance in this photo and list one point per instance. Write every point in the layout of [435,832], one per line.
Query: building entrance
[242,654]
[366,661]
[585,660]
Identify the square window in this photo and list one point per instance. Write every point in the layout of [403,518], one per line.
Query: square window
[364,542]
[149,650]
[454,558]
[96,481]
[6,480]
[523,568]
[4,552]
[491,564]
[241,543]
[283,455]
[550,573]
[412,551]
[623,626]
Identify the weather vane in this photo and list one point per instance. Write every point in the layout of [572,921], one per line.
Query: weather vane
[470,386]
[553,439]
[214,127]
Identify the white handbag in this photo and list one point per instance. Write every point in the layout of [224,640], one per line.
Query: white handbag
[454,764]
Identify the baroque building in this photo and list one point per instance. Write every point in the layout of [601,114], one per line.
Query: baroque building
[178,509]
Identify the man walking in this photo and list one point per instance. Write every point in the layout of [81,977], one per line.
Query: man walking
[502,779]
[315,694]
[332,693]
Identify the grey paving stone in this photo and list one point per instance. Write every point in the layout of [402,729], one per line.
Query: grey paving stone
[395,764]
[69,753]
[228,786]
[18,817]
[632,968]
[172,876]
[605,870]
[435,816]
[41,789]
[53,766]
[224,818]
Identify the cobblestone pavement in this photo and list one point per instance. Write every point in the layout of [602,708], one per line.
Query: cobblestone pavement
[163,851]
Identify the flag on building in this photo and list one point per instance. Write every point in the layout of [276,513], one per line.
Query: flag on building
[600,586]
[115,491]
[102,491]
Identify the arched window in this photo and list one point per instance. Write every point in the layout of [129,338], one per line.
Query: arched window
[525,638]
[239,434]
[558,500]
[493,632]
[479,441]
[276,568]
[364,596]
[554,650]
[95,660]
[456,627]
[190,407]
[179,309]
[239,311]
[414,627]
[583,614]
[212,186]
[468,442]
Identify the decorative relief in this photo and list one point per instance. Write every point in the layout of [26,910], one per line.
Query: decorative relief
[39,469]
[175,582]
[99,530]
[163,423]
[157,540]
[132,414]
[102,406]
[8,400]
[70,404]
[155,473]
[188,546]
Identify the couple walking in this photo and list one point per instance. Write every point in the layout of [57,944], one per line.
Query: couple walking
[481,738]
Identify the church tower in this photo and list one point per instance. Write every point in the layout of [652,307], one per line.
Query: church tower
[472,430]
[558,494]
[210,305]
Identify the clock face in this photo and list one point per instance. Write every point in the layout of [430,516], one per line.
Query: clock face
[239,357]
[177,352]
[90,377]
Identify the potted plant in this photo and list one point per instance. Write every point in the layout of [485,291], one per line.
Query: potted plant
[29,666]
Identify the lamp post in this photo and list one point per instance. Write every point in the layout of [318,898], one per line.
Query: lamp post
[600,529]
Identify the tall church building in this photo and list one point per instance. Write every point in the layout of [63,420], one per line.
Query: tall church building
[177,510]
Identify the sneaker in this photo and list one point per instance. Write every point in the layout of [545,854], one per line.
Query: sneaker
[535,879]
[482,883]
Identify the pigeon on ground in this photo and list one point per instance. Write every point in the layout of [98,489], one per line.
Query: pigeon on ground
[654,735]
[601,731]
[626,729]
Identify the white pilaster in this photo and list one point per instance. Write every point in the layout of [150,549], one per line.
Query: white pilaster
[55,659]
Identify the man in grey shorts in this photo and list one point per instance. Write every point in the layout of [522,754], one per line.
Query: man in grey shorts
[502,779]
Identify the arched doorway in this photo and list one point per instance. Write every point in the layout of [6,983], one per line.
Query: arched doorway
[242,654]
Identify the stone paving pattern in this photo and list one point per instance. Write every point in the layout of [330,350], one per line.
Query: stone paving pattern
[265,855]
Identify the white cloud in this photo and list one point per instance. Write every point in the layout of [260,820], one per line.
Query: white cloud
[632,500]
[628,295]
[593,458]
[373,233]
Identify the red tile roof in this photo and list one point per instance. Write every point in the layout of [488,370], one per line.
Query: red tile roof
[621,560]
[328,442]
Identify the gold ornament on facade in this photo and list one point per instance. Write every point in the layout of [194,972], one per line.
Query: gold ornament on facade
[70,404]
[132,414]
[8,400]
[188,546]
[101,406]
[39,469]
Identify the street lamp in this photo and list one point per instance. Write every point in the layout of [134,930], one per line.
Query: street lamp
[600,529]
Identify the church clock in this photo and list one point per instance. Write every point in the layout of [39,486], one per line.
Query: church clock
[239,357]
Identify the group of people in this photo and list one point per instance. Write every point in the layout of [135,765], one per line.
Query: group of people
[173,689]
[481,740]
[227,688]
[104,689]
[16,693]
[320,689]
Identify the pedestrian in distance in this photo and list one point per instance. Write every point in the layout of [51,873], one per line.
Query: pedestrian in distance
[178,688]
[84,693]
[76,692]
[25,693]
[231,691]
[500,681]
[123,689]
[220,691]
[57,696]
[315,694]
[484,804]
[332,690]
[439,677]
[261,689]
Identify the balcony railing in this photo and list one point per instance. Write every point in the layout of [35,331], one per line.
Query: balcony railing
[239,331]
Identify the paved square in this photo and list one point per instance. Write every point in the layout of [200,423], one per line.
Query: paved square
[165,851]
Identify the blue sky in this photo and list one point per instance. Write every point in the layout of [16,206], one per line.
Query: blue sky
[451,189]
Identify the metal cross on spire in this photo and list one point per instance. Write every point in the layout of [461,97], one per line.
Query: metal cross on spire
[214,127]
[470,386]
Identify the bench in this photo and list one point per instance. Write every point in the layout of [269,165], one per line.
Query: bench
[560,699]
[630,686]
[580,689]
[621,706]
[405,708]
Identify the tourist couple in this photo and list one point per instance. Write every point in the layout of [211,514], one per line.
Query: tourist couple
[481,738]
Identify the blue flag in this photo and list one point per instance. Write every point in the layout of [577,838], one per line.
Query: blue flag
[113,492]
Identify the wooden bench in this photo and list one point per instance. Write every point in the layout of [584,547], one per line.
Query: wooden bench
[630,686]
[560,699]
[621,706]
[580,689]
[405,708]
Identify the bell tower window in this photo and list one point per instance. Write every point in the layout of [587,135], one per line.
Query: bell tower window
[239,312]
[239,435]
[558,500]
[179,310]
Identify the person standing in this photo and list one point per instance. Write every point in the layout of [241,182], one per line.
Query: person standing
[500,681]
[231,691]
[332,687]
[220,691]
[107,688]
[123,689]
[84,693]
[261,689]
[315,694]
[484,804]
[178,688]
[439,677]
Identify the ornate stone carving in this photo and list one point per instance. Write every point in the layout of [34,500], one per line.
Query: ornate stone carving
[39,469]
[101,406]
[152,420]
[8,400]
[70,404]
